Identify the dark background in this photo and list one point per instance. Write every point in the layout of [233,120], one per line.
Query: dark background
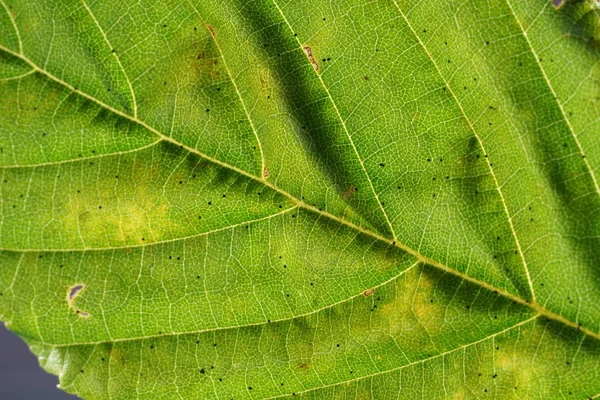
[21,377]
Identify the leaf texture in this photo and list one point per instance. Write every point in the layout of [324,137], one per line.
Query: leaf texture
[320,199]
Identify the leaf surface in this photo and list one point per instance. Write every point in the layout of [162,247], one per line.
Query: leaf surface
[259,199]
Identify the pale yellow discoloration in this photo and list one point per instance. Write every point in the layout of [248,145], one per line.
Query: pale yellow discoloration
[117,221]
[411,313]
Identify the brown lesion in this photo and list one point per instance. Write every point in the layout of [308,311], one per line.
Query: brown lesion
[348,194]
[72,293]
[309,53]
[212,30]
[303,366]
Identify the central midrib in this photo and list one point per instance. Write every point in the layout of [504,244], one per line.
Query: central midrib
[421,258]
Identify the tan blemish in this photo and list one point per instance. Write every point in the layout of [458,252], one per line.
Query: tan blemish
[309,54]
[72,294]
[349,193]
[303,366]
[369,292]
[212,30]
[266,173]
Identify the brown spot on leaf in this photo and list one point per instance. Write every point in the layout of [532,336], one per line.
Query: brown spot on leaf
[309,54]
[72,293]
[212,30]
[368,292]
[351,190]
[266,173]
[303,366]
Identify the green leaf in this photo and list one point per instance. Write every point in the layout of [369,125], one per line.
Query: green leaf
[258,199]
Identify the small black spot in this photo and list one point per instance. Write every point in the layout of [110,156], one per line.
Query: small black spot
[210,203]
[202,371]
[381,164]
[249,387]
